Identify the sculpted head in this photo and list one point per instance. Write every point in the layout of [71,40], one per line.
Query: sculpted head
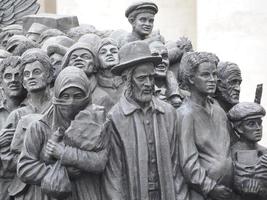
[229,80]
[246,118]
[35,31]
[137,69]
[38,71]
[141,17]
[8,31]
[71,92]
[158,48]
[108,54]
[199,72]
[11,77]
[82,56]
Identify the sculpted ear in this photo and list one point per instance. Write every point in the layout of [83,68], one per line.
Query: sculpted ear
[191,80]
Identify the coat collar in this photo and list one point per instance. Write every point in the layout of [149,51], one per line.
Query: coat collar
[130,107]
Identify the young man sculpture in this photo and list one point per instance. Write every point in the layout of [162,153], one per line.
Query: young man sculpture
[108,57]
[11,80]
[141,16]
[166,86]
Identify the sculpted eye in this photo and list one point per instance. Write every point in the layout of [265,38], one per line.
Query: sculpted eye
[8,76]
[65,96]
[26,74]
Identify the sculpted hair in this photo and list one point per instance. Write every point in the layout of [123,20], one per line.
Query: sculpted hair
[127,76]
[11,61]
[39,55]
[190,63]
[226,68]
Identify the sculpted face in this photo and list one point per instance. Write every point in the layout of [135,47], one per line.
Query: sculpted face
[82,59]
[230,88]
[143,24]
[251,129]
[205,78]
[35,77]
[12,82]
[56,61]
[72,96]
[143,82]
[108,56]
[158,49]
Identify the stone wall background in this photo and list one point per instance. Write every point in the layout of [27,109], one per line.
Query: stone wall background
[236,30]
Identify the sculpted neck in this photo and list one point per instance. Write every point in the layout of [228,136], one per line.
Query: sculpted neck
[39,98]
[160,81]
[13,102]
[139,37]
[199,98]
[106,73]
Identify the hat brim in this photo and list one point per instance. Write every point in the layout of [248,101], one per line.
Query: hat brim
[118,69]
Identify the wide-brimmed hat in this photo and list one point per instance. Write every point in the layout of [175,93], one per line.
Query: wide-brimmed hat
[134,53]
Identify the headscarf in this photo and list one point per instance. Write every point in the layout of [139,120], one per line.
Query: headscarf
[69,77]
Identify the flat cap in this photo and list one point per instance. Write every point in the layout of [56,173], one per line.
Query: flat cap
[245,110]
[149,5]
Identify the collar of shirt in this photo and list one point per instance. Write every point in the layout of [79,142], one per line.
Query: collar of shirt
[130,107]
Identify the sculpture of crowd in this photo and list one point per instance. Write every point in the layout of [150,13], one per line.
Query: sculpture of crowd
[91,115]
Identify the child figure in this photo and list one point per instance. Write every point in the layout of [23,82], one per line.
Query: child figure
[249,158]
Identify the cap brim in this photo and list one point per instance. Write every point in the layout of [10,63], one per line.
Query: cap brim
[118,69]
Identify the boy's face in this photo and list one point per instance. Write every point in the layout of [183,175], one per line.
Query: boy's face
[251,129]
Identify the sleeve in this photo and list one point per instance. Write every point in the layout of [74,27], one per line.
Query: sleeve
[181,188]
[29,167]
[195,175]
[112,178]
[91,161]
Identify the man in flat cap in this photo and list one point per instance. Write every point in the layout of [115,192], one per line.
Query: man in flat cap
[144,160]
[250,158]
[141,17]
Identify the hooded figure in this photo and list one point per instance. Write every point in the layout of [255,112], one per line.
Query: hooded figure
[81,151]
[82,55]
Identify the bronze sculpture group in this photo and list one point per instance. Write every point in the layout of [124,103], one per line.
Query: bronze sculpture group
[111,115]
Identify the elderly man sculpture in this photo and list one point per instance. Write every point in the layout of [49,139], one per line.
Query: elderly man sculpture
[228,87]
[250,158]
[143,161]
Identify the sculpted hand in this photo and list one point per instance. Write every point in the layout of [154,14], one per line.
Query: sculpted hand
[54,149]
[252,187]
[175,101]
[6,137]
[263,160]
[73,171]
[221,192]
